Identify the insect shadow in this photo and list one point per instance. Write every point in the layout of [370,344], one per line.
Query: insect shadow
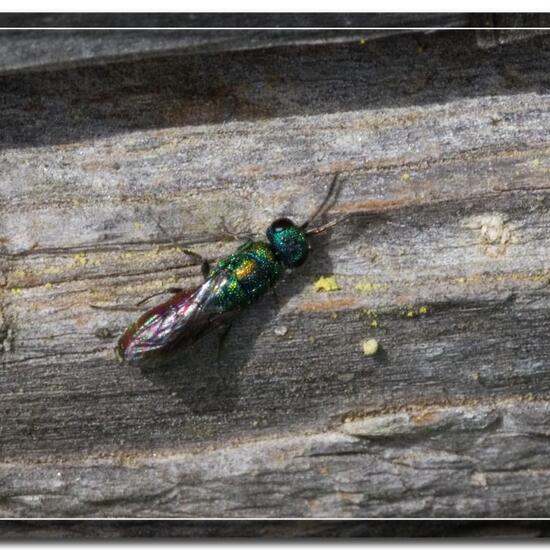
[205,378]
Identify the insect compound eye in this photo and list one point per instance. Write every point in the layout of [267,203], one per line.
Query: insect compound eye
[280,230]
[281,224]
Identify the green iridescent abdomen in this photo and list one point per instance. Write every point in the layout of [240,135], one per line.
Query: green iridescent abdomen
[251,270]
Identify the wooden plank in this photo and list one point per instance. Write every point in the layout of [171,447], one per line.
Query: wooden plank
[55,47]
[444,261]
[450,461]
[59,43]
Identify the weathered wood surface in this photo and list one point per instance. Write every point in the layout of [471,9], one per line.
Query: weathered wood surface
[443,150]
[60,43]
[62,47]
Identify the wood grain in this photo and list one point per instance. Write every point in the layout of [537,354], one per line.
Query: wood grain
[54,41]
[107,173]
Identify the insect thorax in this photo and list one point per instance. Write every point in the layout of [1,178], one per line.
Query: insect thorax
[251,271]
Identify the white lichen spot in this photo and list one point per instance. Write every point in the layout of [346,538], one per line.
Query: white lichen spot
[370,346]
[7,343]
[281,331]
[494,232]
[479,479]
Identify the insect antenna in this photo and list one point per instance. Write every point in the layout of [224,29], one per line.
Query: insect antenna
[328,201]
[323,228]
[325,205]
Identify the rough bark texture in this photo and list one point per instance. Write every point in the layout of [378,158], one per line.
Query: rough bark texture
[108,172]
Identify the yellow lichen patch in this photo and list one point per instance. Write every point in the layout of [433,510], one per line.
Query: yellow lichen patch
[17,291]
[373,317]
[411,312]
[368,286]
[153,254]
[406,176]
[19,273]
[80,259]
[370,346]
[36,272]
[484,278]
[52,270]
[326,284]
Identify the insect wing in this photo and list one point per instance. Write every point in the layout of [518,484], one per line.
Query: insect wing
[182,319]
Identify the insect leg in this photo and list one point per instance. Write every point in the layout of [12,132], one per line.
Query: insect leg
[171,290]
[136,306]
[235,236]
[117,307]
[205,265]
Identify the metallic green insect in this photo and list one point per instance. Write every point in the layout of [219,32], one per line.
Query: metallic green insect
[233,283]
